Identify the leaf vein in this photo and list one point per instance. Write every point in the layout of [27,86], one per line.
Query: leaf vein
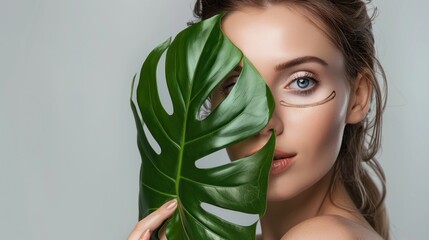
[161,172]
[161,127]
[209,134]
[155,190]
[202,224]
[211,185]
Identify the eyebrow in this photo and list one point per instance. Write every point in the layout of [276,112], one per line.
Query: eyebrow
[300,60]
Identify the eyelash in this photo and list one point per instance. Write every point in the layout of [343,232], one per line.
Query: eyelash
[232,80]
[304,75]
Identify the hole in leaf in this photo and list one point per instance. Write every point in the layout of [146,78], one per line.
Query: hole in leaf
[215,159]
[162,86]
[239,218]
[258,228]
[205,110]
[134,96]
[219,94]
[155,146]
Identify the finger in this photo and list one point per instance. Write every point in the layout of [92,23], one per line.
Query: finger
[153,220]
[146,235]
[162,232]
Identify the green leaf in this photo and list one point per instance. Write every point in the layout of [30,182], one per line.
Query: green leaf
[197,61]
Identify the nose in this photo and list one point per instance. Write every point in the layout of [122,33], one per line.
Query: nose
[274,124]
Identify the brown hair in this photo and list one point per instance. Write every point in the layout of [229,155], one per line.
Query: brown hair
[349,27]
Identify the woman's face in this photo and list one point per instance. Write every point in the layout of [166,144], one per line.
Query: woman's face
[295,58]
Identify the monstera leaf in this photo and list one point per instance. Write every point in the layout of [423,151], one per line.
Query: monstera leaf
[197,61]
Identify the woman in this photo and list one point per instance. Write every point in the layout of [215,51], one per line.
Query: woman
[318,59]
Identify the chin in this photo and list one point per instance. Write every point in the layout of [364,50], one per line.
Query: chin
[282,194]
[288,187]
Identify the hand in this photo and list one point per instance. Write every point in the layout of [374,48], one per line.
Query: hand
[144,228]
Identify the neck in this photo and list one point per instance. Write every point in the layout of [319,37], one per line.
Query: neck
[283,215]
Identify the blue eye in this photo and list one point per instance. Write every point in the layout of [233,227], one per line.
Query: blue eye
[302,83]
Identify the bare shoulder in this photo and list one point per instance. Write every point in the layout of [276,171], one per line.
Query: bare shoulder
[330,227]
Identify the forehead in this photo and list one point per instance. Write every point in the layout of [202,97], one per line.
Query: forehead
[277,33]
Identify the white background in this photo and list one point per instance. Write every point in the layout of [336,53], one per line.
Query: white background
[69,163]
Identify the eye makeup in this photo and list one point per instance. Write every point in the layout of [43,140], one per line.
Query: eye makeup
[327,99]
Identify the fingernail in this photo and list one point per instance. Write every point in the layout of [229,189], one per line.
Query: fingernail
[172,204]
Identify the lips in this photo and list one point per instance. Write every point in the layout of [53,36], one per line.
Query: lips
[281,162]
[282,155]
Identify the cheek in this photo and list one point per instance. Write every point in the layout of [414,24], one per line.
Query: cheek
[317,132]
